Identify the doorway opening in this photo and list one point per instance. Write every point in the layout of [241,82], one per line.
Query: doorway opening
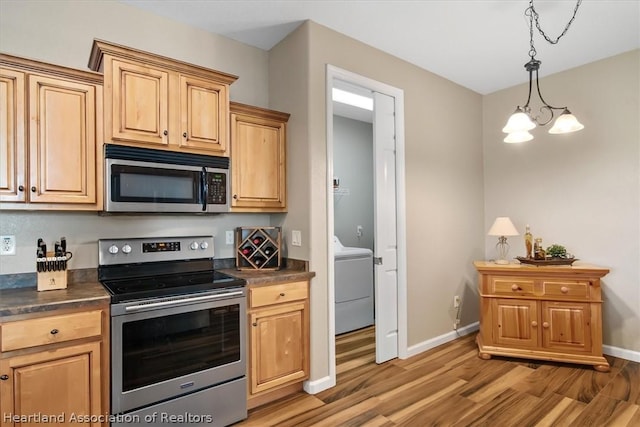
[365,214]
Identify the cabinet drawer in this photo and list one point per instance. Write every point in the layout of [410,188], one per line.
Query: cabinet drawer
[276,294]
[49,330]
[571,289]
[511,286]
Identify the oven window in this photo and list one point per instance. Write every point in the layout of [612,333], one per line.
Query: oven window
[167,347]
[142,184]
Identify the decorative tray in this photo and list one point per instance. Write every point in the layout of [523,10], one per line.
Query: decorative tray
[548,261]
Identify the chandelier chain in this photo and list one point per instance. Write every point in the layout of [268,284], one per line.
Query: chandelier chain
[533,15]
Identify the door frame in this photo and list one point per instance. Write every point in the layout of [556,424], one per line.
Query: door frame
[332,73]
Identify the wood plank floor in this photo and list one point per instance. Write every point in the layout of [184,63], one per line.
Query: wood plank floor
[450,386]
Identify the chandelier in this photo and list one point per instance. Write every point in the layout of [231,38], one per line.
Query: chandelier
[522,120]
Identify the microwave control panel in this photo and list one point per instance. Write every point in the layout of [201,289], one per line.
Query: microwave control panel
[217,188]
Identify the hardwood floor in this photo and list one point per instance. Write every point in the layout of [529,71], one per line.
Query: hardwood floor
[450,386]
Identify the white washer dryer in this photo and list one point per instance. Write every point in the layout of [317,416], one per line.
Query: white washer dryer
[353,278]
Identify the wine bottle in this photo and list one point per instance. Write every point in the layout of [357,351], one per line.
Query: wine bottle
[258,260]
[257,240]
[528,242]
[246,251]
[268,250]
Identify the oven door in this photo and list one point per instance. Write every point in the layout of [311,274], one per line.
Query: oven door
[167,347]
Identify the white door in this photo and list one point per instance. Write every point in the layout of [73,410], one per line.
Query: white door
[386,242]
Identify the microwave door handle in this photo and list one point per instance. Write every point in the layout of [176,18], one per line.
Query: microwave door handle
[205,190]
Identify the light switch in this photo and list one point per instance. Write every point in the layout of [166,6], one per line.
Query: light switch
[229,237]
[296,238]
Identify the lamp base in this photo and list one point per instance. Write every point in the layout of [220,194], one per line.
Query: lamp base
[501,261]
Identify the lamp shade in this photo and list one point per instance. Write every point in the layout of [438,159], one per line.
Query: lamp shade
[503,226]
[518,136]
[519,122]
[566,123]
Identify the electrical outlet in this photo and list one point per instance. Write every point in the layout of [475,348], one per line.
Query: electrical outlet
[359,231]
[456,324]
[229,237]
[7,245]
[456,301]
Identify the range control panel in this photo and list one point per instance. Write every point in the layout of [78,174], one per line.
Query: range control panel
[153,249]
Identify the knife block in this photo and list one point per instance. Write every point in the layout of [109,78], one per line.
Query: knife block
[50,280]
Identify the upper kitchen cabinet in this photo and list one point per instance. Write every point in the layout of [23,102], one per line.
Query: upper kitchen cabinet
[258,145]
[50,136]
[156,102]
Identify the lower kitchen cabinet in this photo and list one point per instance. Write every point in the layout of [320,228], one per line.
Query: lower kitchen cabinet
[279,339]
[55,366]
[545,313]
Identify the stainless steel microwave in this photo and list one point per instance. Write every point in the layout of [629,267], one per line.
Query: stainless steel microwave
[146,180]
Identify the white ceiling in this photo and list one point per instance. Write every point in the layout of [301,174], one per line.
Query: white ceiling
[479,44]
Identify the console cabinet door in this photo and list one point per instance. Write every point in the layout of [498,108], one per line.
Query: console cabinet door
[64,382]
[566,326]
[62,141]
[515,322]
[12,136]
[139,110]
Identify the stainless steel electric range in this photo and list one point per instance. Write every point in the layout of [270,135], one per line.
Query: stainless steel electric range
[177,333]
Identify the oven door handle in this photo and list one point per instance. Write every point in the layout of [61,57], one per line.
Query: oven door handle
[181,301]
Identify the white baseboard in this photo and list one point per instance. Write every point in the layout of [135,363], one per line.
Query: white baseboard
[622,353]
[442,339]
[316,386]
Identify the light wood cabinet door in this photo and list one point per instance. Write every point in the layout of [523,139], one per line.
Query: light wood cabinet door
[203,115]
[62,141]
[62,382]
[12,136]
[515,322]
[139,104]
[279,346]
[258,147]
[566,326]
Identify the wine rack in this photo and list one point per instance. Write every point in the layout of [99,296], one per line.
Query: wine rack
[258,248]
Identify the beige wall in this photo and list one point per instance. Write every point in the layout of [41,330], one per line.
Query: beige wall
[581,190]
[61,32]
[443,172]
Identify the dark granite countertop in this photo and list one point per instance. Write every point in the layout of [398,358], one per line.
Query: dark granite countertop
[267,277]
[28,300]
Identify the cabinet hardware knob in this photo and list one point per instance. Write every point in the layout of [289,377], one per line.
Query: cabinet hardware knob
[235,196]
[54,331]
[21,188]
[4,377]
[515,287]
[165,133]
[534,324]
[255,324]
[564,289]
[33,189]
[281,294]
[545,325]
[184,135]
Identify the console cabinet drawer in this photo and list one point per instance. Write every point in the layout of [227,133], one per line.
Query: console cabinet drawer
[51,329]
[565,289]
[511,286]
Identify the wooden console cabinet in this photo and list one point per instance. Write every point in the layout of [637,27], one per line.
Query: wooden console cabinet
[546,313]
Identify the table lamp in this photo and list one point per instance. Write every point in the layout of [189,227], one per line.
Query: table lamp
[502,227]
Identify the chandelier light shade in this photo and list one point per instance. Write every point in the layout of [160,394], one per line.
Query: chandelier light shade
[522,120]
[502,227]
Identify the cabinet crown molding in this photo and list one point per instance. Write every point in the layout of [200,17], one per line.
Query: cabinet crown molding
[39,67]
[101,48]
[238,108]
